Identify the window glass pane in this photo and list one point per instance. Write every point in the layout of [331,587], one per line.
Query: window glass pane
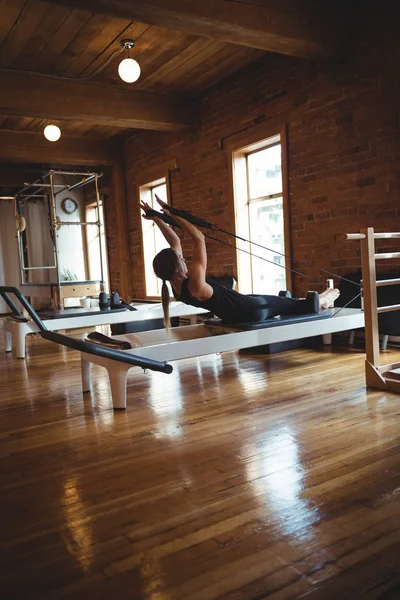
[265,172]
[266,228]
[161,192]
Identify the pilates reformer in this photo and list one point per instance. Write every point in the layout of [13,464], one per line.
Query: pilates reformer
[385,377]
[151,349]
[213,336]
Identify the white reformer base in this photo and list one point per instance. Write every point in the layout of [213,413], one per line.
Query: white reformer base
[17,330]
[200,340]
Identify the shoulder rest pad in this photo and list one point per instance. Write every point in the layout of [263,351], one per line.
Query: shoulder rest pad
[274,322]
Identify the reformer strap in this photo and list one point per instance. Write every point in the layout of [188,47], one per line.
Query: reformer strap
[184,214]
[164,217]
[206,224]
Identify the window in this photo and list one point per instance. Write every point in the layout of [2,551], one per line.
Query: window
[153,240]
[151,182]
[259,191]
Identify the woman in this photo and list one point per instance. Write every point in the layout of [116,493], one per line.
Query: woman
[193,288]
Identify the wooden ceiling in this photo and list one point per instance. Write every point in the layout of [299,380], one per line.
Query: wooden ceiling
[46,38]
[52,55]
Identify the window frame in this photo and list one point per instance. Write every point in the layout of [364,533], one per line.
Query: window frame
[238,146]
[92,205]
[145,181]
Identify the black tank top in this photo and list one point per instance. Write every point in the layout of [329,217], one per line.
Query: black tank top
[227,304]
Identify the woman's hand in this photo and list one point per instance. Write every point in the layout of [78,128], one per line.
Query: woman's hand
[163,204]
[144,206]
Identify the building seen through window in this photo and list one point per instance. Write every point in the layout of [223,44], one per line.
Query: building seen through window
[259,208]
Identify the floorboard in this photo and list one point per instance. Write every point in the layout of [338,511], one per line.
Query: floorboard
[237,477]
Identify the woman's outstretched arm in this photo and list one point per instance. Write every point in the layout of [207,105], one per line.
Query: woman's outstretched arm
[190,229]
[197,284]
[169,234]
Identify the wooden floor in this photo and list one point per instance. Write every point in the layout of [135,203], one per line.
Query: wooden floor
[240,477]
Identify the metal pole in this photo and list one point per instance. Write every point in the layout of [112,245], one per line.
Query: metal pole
[99,230]
[78,223]
[29,185]
[78,173]
[82,183]
[39,268]
[43,185]
[53,224]
[20,248]
[90,177]
[21,257]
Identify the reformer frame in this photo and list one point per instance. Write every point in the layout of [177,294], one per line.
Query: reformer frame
[36,190]
[385,377]
[201,340]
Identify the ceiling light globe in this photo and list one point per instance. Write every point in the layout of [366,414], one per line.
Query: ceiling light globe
[129,70]
[52,133]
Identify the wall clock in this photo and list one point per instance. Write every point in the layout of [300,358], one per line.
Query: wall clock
[69,205]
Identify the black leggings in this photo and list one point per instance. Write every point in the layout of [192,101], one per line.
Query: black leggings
[265,307]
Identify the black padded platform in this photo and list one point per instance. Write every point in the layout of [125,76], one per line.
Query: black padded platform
[274,322]
[77,312]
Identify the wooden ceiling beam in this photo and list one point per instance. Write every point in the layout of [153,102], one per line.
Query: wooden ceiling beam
[30,147]
[31,95]
[286,27]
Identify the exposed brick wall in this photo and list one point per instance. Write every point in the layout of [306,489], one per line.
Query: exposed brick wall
[343,153]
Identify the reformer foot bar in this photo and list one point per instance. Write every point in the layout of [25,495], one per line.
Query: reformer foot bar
[83,346]
[385,377]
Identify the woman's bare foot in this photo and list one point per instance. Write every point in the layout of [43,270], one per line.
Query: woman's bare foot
[328,297]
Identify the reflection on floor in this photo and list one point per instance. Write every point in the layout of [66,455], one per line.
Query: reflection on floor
[237,476]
